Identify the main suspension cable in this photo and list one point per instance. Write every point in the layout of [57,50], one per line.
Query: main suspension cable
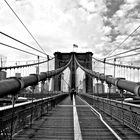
[22,66]
[119,65]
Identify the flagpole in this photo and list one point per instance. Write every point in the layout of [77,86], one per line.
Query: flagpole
[74,45]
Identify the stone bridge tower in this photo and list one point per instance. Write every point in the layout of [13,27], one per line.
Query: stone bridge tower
[85,60]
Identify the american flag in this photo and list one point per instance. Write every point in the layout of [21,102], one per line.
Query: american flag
[74,45]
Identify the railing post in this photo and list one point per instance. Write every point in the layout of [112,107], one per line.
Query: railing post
[42,91]
[21,85]
[102,91]
[31,118]
[97,87]
[33,92]
[109,91]
[109,97]
[42,86]
[97,94]
[109,86]
[12,119]
[121,92]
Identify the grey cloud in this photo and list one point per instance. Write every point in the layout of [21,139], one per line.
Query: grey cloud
[121,16]
[112,7]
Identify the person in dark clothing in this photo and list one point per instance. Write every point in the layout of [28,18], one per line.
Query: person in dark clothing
[74,93]
[71,94]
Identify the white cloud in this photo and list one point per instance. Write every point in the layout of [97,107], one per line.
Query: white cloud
[91,7]
[120,13]
[107,30]
[132,1]
[58,24]
[105,38]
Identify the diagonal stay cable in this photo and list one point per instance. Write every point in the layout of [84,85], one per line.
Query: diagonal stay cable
[65,81]
[110,57]
[124,41]
[19,49]
[124,56]
[21,42]
[123,52]
[25,27]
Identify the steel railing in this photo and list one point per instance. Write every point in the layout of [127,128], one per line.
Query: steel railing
[126,113]
[13,120]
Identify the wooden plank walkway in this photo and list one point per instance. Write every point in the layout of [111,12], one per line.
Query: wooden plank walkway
[61,124]
[57,125]
[91,127]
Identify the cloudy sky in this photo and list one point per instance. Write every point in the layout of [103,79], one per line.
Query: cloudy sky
[94,25]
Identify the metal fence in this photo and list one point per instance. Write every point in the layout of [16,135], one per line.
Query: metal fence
[126,113]
[14,119]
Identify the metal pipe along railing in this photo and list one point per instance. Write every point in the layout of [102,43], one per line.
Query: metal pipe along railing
[13,84]
[121,83]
